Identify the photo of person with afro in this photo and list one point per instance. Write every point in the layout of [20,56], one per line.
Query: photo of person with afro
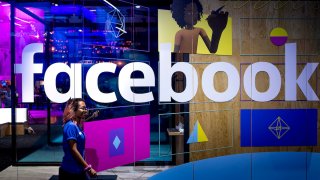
[187,13]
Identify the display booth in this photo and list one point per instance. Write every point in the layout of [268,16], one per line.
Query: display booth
[213,89]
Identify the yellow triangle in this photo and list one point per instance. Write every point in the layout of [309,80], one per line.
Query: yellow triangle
[202,137]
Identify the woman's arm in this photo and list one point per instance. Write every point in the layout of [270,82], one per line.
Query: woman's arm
[206,39]
[94,115]
[177,42]
[217,21]
[215,39]
[76,154]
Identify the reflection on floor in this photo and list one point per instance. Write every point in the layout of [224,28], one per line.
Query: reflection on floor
[45,154]
[46,172]
[26,144]
[55,154]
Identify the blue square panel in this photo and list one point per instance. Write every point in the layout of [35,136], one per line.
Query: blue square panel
[116,142]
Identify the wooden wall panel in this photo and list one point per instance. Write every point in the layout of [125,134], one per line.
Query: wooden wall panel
[250,36]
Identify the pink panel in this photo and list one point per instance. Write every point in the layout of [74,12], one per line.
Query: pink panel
[132,144]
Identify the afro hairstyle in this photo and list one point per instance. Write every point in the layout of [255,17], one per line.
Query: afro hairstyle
[177,9]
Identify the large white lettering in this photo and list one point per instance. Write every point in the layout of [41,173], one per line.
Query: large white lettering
[291,74]
[92,85]
[166,71]
[50,87]
[233,82]
[250,81]
[125,82]
[28,69]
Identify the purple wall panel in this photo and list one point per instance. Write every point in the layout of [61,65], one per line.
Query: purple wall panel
[115,142]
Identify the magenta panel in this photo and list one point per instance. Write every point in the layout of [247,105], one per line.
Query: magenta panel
[129,135]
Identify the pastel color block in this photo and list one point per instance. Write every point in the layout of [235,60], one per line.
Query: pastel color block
[197,134]
[278,36]
[194,135]
[279,32]
[116,142]
[202,137]
[167,28]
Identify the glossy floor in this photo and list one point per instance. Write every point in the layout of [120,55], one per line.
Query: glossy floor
[47,172]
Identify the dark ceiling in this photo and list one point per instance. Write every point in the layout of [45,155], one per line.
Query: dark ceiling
[163,4]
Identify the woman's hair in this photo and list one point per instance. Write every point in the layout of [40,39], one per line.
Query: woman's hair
[70,110]
[177,9]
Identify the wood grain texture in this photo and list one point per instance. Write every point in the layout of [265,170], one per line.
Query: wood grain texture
[252,24]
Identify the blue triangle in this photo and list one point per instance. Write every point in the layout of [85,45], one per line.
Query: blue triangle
[194,135]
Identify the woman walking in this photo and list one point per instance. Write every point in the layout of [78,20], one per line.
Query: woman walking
[73,164]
